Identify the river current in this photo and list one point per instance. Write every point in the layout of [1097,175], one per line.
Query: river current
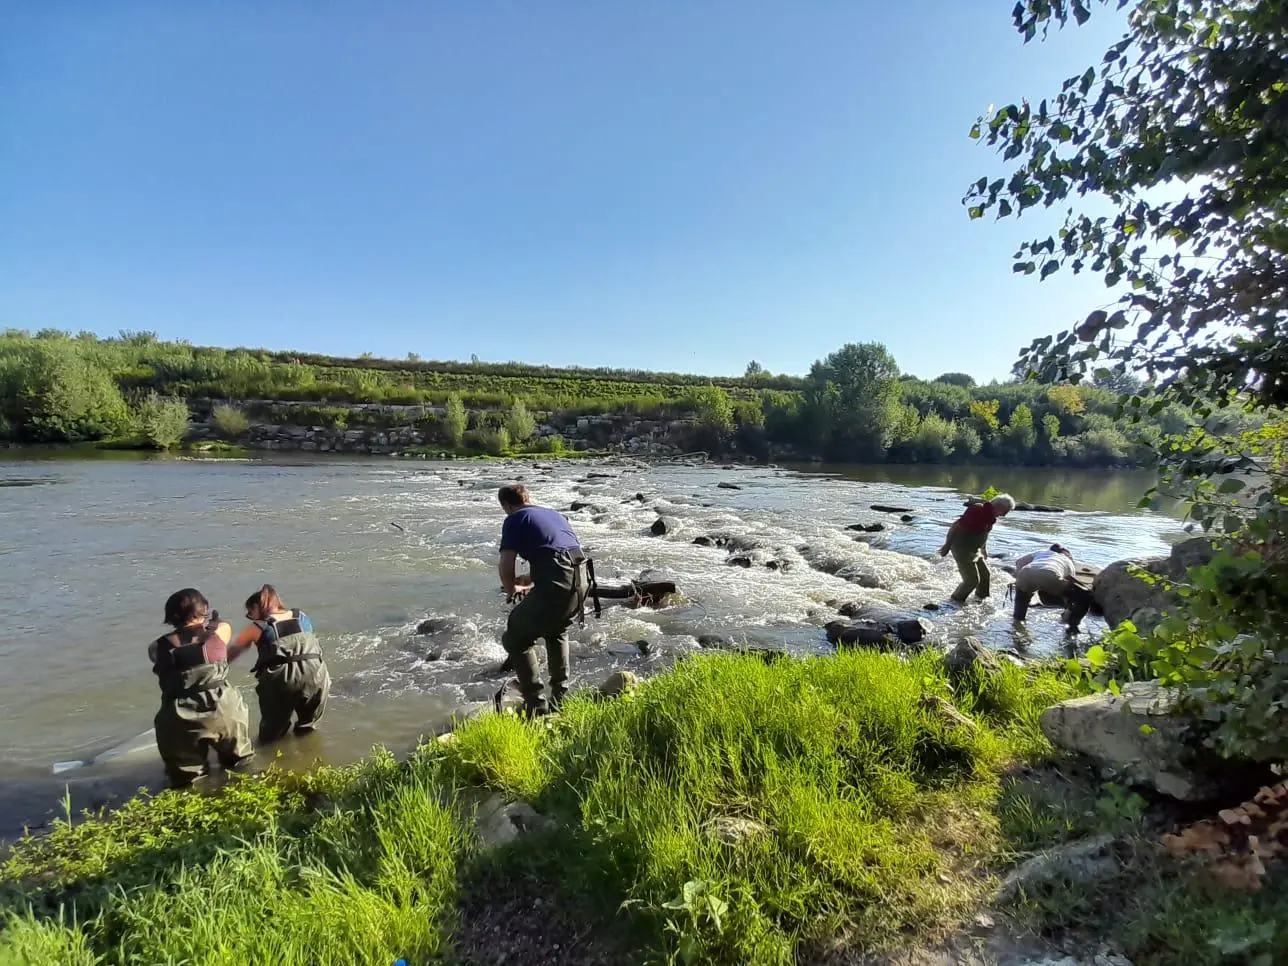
[90,549]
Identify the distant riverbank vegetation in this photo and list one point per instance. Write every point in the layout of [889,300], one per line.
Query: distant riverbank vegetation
[853,406]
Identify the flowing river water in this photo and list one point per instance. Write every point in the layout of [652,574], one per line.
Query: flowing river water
[90,549]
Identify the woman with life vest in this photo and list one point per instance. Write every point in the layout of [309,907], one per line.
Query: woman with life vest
[200,711]
[292,676]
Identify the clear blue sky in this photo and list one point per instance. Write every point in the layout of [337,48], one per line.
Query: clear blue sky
[669,185]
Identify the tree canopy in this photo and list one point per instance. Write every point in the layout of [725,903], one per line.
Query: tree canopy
[1182,129]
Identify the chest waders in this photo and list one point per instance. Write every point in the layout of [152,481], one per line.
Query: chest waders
[561,581]
[968,553]
[200,711]
[292,677]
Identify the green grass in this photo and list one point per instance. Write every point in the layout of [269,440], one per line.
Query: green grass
[880,817]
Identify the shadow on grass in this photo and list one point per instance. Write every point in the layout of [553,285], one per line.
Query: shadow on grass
[548,901]
[1154,908]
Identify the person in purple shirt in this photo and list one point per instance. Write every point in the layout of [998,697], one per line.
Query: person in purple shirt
[547,605]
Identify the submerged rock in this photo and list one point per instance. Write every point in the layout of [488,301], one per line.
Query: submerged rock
[1137,734]
[869,581]
[705,541]
[662,526]
[861,634]
[739,560]
[714,641]
[910,632]
[883,508]
[913,630]
[725,485]
[866,527]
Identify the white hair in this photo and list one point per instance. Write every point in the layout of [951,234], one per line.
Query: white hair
[1004,502]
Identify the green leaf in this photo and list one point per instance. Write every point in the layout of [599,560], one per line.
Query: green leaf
[976,211]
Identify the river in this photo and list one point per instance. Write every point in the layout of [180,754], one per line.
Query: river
[91,549]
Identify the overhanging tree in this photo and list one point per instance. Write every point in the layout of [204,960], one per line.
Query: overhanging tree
[1181,133]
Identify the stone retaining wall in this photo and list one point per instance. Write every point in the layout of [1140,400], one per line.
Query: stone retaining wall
[396,429]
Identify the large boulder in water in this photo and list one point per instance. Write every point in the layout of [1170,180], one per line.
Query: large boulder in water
[662,526]
[1123,595]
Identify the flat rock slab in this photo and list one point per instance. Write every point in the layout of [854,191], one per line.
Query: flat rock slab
[1136,734]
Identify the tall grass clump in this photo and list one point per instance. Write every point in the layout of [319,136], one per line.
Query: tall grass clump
[229,422]
[745,810]
[253,874]
[728,811]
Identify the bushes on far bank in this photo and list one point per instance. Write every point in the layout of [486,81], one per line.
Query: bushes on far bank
[853,406]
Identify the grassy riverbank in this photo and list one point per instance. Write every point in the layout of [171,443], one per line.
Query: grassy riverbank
[728,811]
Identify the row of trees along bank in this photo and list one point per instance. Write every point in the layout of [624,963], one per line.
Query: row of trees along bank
[853,406]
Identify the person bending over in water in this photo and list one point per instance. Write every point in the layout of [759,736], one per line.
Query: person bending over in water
[292,676]
[556,594]
[200,711]
[1047,573]
[968,539]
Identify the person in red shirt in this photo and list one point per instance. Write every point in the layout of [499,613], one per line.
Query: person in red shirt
[968,541]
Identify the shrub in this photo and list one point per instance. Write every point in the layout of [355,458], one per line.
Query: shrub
[455,419]
[966,441]
[493,440]
[162,420]
[66,398]
[229,422]
[554,444]
[934,439]
[519,423]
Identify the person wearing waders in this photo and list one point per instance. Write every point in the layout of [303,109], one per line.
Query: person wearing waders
[967,540]
[1047,573]
[292,676]
[547,605]
[1058,579]
[200,711]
